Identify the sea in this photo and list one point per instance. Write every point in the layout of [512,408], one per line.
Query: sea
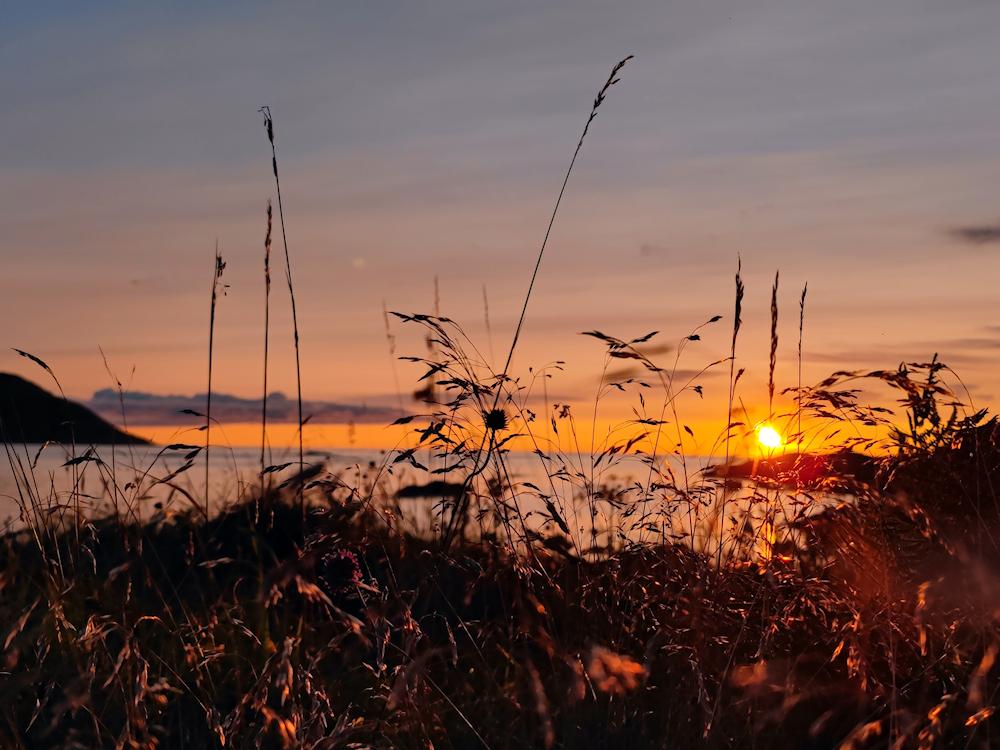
[612,503]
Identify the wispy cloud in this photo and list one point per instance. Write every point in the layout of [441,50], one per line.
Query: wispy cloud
[679,375]
[977,234]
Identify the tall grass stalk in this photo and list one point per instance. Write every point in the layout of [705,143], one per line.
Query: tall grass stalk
[269,125]
[798,390]
[489,434]
[612,80]
[267,331]
[120,390]
[74,465]
[220,266]
[737,322]
[489,328]
[768,530]
[773,358]
[390,340]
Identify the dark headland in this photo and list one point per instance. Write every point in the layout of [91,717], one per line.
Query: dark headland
[30,414]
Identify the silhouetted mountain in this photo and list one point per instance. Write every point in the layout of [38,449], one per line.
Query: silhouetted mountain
[29,414]
[174,409]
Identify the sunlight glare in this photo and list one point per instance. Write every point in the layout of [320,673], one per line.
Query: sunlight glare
[768,437]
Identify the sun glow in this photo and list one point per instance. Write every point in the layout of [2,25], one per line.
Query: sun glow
[769,437]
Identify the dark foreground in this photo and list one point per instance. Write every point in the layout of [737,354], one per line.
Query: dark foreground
[880,629]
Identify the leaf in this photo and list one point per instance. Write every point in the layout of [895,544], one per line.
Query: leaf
[122,655]
[408,456]
[19,625]
[276,467]
[438,367]
[602,336]
[36,360]
[507,439]
[88,456]
[644,339]
[173,475]
[633,441]
[38,454]
[556,517]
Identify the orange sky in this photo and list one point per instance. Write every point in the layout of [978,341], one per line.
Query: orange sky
[842,144]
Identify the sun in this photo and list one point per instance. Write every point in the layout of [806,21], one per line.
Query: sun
[769,437]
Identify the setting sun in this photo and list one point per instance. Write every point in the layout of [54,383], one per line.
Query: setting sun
[768,437]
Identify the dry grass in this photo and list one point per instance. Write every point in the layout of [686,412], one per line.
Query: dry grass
[835,602]
[269,127]
[879,628]
[869,623]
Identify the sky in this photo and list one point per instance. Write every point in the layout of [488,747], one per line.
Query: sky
[851,145]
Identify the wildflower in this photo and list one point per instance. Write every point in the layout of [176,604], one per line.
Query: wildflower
[339,570]
[495,420]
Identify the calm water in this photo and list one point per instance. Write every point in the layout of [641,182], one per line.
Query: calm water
[148,478]
[144,481]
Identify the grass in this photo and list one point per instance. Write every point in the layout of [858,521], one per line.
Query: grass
[489,436]
[591,605]
[267,341]
[879,627]
[269,126]
[218,268]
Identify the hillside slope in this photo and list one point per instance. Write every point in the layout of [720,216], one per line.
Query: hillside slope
[29,414]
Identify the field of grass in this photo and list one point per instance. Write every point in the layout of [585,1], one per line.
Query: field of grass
[869,624]
[837,602]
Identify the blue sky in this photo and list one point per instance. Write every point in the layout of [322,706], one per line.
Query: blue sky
[838,141]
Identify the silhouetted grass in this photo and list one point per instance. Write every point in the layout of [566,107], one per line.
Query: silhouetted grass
[218,268]
[879,628]
[846,598]
[267,342]
[457,516]
[859,611]
[269,126]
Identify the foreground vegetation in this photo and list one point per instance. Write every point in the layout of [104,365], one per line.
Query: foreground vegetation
[685,609]
[877,627]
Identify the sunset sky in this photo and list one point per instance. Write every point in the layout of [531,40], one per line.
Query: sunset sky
[852,145]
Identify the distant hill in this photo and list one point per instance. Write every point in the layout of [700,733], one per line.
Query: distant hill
[174,409]
[29,414]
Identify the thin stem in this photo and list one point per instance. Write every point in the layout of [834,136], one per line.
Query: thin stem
[737,322]
[269,124]
[802,318]
[478,469]
[216,276]
[390,339]
[774,348]
[267,329]
[489,329]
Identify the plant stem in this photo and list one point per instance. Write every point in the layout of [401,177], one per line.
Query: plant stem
[269,124]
